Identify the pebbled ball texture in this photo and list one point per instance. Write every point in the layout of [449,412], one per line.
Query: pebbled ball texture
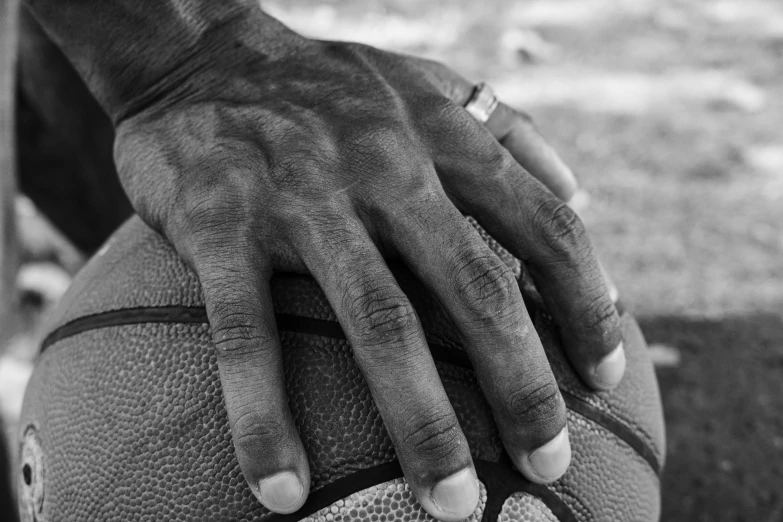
[391,500]
[123,418]
[523,507]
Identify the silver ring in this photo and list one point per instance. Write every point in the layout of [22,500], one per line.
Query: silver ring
[482,102]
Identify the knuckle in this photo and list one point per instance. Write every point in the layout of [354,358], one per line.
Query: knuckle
[387,146]
[237,334]
[299,218]
[420,190]
[303,158]
[487,287]
[560,228]
[434,437]
[448,126]
[600,314]
[252,430]
[499,163]
[376,144]
[382,316]
[441,108]
[535,401]
[207,212]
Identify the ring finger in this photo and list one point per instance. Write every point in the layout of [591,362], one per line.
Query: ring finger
[484,180]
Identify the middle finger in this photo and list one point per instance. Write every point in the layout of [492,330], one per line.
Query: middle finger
[390,349]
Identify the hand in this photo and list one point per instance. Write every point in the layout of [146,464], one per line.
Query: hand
[325,161]
[253,150]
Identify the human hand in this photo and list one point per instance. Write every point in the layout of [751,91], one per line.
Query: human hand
[323,163]
[265,151]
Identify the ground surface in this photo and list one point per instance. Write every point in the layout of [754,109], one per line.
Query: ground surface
[671,112]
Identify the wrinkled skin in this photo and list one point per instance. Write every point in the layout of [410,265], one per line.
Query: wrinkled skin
[255,154]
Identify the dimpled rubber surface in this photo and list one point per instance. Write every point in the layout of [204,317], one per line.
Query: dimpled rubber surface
[523,507]
[392,500]
[132,426]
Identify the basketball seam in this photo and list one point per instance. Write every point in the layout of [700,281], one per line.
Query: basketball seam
[503,476]
[310,326]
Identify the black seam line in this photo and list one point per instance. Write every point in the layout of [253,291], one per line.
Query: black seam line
[306,325]
[500,480]
[127,316]
[503,480]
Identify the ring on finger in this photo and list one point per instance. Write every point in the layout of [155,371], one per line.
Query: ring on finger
[482,102]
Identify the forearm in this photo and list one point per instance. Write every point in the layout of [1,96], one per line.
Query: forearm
[133,52]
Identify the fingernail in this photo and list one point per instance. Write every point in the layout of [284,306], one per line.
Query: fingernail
[614,294]
[566,185]
[569,178]
[457,495]
[281,493]
[579,201]
[610,370]
[551,460]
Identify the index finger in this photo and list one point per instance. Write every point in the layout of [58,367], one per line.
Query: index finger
[242,322]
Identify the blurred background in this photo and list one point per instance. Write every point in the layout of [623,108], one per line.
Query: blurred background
[671,114]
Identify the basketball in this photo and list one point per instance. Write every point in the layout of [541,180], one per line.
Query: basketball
[123,418]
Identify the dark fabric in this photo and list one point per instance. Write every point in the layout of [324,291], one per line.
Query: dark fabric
[8,509]
[65,144]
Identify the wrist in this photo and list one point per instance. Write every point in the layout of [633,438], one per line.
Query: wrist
[134,53]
